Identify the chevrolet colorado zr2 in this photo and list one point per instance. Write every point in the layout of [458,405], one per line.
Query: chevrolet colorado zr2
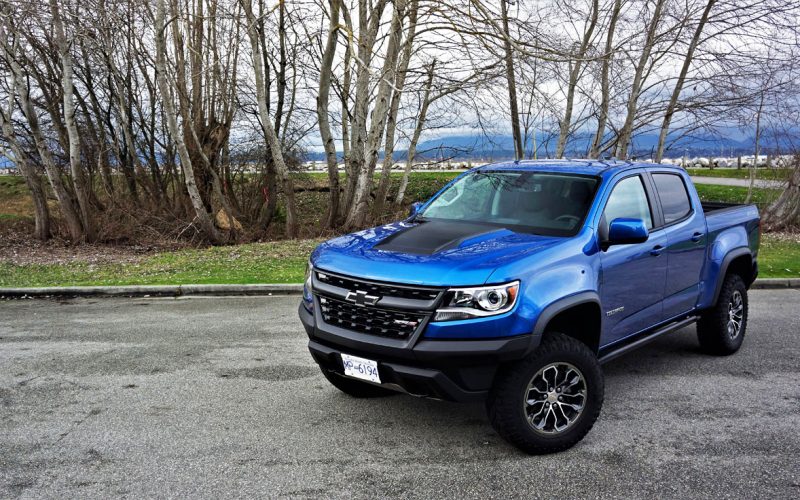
[517,281]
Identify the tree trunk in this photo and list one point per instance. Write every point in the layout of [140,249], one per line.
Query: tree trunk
[784,213]
[604,81]
[65,202]
[391,124]
[323,97]
[512,86]
[281,76]
[266,124]
[358,213]
[32,178]
[574,74]
[676,92]
[345,107]
[754,166]
[78,177]
[412,147]
[626,132]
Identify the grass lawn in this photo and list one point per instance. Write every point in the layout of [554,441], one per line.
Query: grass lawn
[15,199]
[779,258]
[741,173]
[274,262]
[735,194]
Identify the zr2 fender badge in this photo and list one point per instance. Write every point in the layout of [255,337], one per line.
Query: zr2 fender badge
[615,311]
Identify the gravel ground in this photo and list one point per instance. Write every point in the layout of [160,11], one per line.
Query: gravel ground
[218,397]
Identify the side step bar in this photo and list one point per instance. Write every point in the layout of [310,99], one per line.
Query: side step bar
[645,338]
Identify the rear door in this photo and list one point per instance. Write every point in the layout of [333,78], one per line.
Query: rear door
[632,276]
[683,222]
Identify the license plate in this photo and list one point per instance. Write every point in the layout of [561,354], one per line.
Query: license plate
[365,369]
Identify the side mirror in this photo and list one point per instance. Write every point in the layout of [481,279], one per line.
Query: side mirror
[414,208]
[624,231]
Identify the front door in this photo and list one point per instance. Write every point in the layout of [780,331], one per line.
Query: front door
[632,276]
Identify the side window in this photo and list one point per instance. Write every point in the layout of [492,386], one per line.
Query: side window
[674,197]
[629,200]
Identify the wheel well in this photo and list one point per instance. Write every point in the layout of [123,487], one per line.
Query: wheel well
[581,322]
[743,266]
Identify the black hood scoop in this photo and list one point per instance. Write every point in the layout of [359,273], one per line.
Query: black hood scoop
[430,237]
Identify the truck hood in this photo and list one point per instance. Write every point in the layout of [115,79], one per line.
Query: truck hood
[434,253]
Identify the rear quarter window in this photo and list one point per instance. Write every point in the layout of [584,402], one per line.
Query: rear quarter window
[674,197]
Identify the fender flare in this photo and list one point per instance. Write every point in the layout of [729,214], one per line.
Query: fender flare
[723,268]
[559,306]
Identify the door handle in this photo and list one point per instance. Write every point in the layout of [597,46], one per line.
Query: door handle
[697,236]
[656,251]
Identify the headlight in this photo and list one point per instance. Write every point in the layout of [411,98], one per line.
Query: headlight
[307,283]
[478,302]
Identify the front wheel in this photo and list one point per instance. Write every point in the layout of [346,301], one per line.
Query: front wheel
[550,400]
[721,329]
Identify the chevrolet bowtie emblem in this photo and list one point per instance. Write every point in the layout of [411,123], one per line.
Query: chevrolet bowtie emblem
[362,298]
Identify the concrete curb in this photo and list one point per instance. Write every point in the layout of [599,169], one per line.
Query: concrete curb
[769,283]
[233,290]
[154,290]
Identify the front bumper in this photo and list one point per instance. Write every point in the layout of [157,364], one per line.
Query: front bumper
[455,370]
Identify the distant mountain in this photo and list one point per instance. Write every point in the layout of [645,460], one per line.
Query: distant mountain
[501,147]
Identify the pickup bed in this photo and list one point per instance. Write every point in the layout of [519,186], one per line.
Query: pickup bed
[515,282]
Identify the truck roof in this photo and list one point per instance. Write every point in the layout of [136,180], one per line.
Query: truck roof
[586,167]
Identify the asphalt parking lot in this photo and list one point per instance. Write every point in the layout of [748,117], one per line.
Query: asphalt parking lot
[218,397]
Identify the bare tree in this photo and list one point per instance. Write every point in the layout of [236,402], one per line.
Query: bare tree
[626,132]
[676,92]
[323,101]
[605,84]
[201,214]
[364,150]
[12,55]
[575,66]
[29,172]
[427,99]
[511,81]
[269,131]
[78,177]
[394,108]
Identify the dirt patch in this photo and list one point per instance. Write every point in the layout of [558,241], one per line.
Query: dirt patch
[787,237]
[19,248]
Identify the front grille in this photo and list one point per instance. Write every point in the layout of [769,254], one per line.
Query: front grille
[379,289]
[390,323]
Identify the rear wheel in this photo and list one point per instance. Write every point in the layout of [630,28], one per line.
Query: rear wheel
[356,388]
[721,329]
[550,400]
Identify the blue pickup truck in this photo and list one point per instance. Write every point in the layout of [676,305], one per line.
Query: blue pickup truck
[516,281]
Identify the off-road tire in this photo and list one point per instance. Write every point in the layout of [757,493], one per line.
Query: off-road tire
[712,329]
[506,402]
[355,388]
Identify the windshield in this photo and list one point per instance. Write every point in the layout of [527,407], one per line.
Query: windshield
[542,203]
